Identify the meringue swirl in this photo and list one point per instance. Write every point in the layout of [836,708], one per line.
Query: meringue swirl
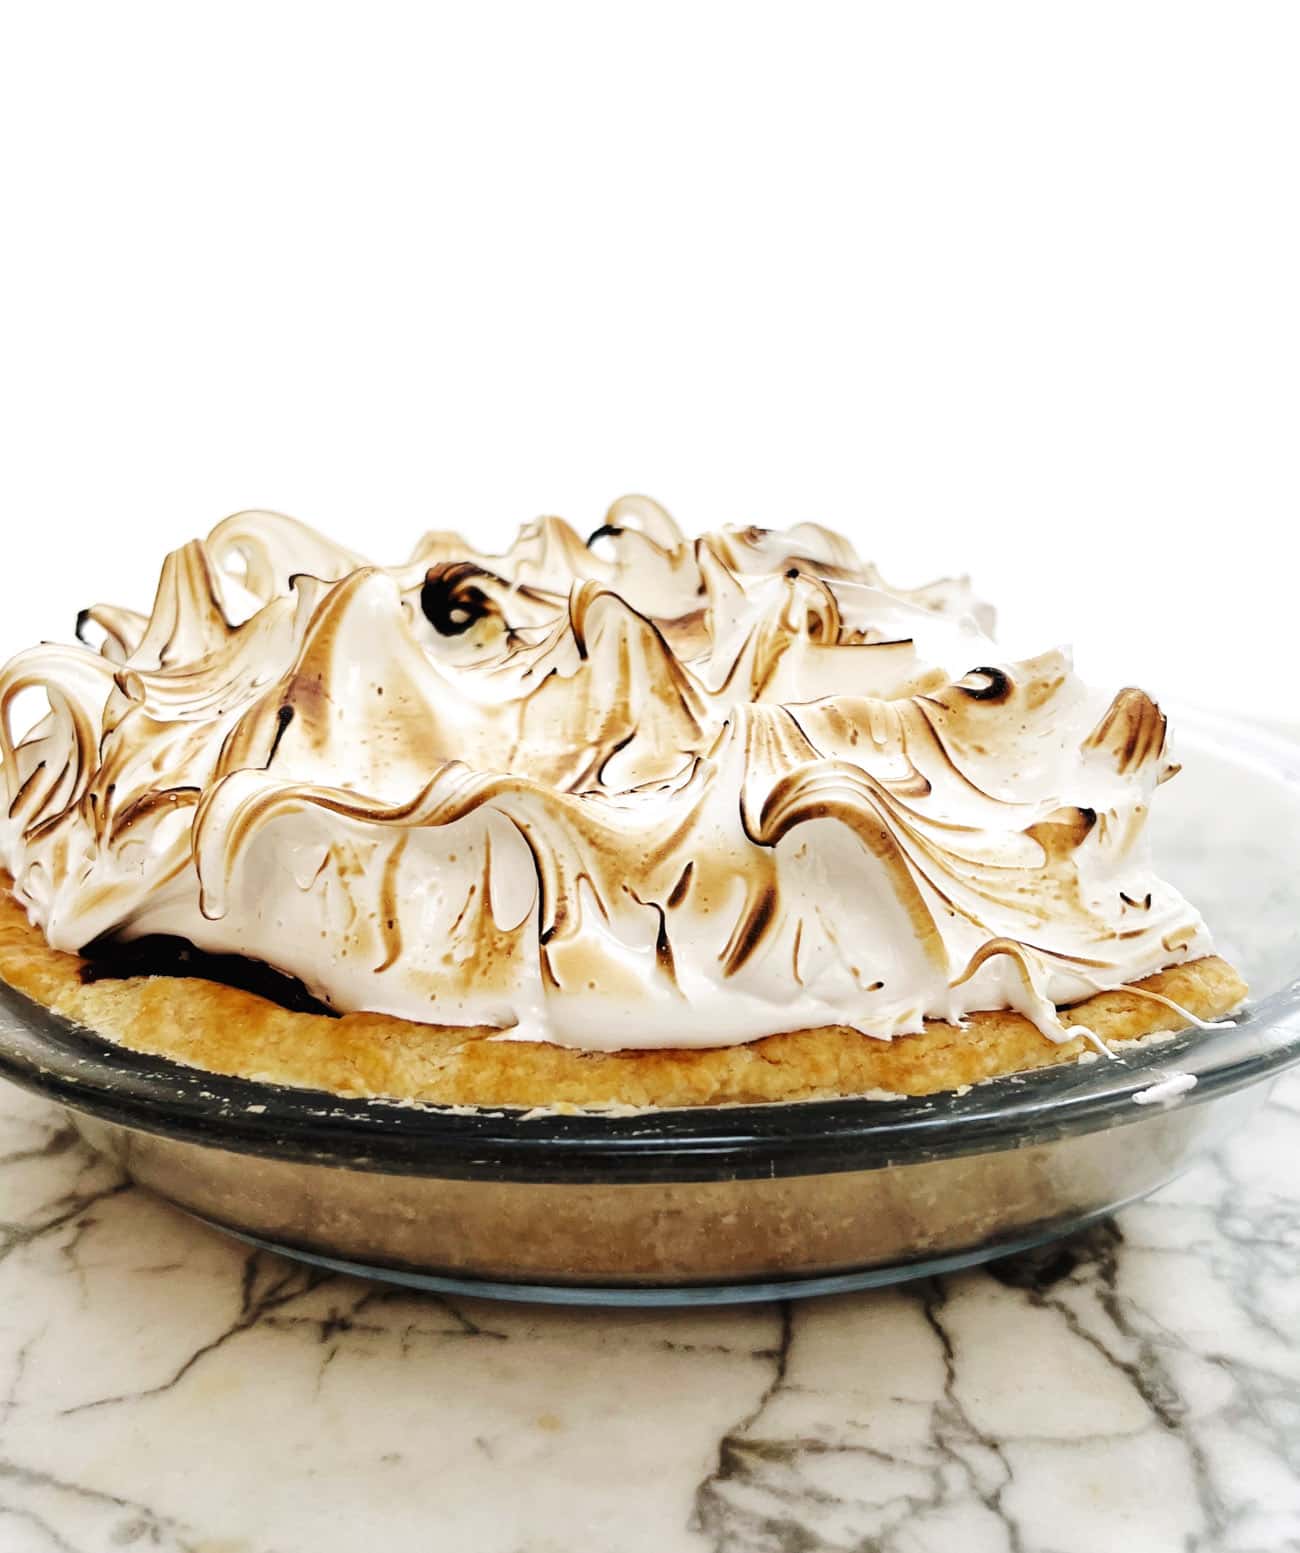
[638,791]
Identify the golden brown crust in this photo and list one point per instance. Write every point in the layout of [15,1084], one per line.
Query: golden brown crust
[224,1030]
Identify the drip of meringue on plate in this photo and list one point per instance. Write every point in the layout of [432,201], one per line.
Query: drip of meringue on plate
[637,792]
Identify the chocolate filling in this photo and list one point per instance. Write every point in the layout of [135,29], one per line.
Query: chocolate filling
[110,958]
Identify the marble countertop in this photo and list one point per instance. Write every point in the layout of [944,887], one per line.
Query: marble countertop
[163,1388]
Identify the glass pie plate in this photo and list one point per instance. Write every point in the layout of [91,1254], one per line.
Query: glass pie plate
[731,1203]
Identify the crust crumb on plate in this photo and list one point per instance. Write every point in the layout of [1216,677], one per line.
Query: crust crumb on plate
[224,1030]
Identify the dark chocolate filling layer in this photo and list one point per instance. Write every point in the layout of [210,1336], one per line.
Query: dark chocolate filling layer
[162,954]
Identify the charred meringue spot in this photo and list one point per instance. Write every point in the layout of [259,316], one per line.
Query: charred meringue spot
[663,943]
[986,684]
[678,892]
[389,915]
[452,599]
[750,929]
[283,717]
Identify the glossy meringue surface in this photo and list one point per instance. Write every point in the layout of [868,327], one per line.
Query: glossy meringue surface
[638,791]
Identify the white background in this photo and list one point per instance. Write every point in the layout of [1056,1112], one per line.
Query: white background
[999,288]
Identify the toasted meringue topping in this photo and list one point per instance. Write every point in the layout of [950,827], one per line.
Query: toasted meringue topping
[639,791]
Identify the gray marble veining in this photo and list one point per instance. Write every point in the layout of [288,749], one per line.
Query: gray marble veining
[162,1388]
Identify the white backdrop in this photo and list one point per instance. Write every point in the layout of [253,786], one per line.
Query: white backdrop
[1010,289]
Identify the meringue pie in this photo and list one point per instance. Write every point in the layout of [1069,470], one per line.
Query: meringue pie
[640,820]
